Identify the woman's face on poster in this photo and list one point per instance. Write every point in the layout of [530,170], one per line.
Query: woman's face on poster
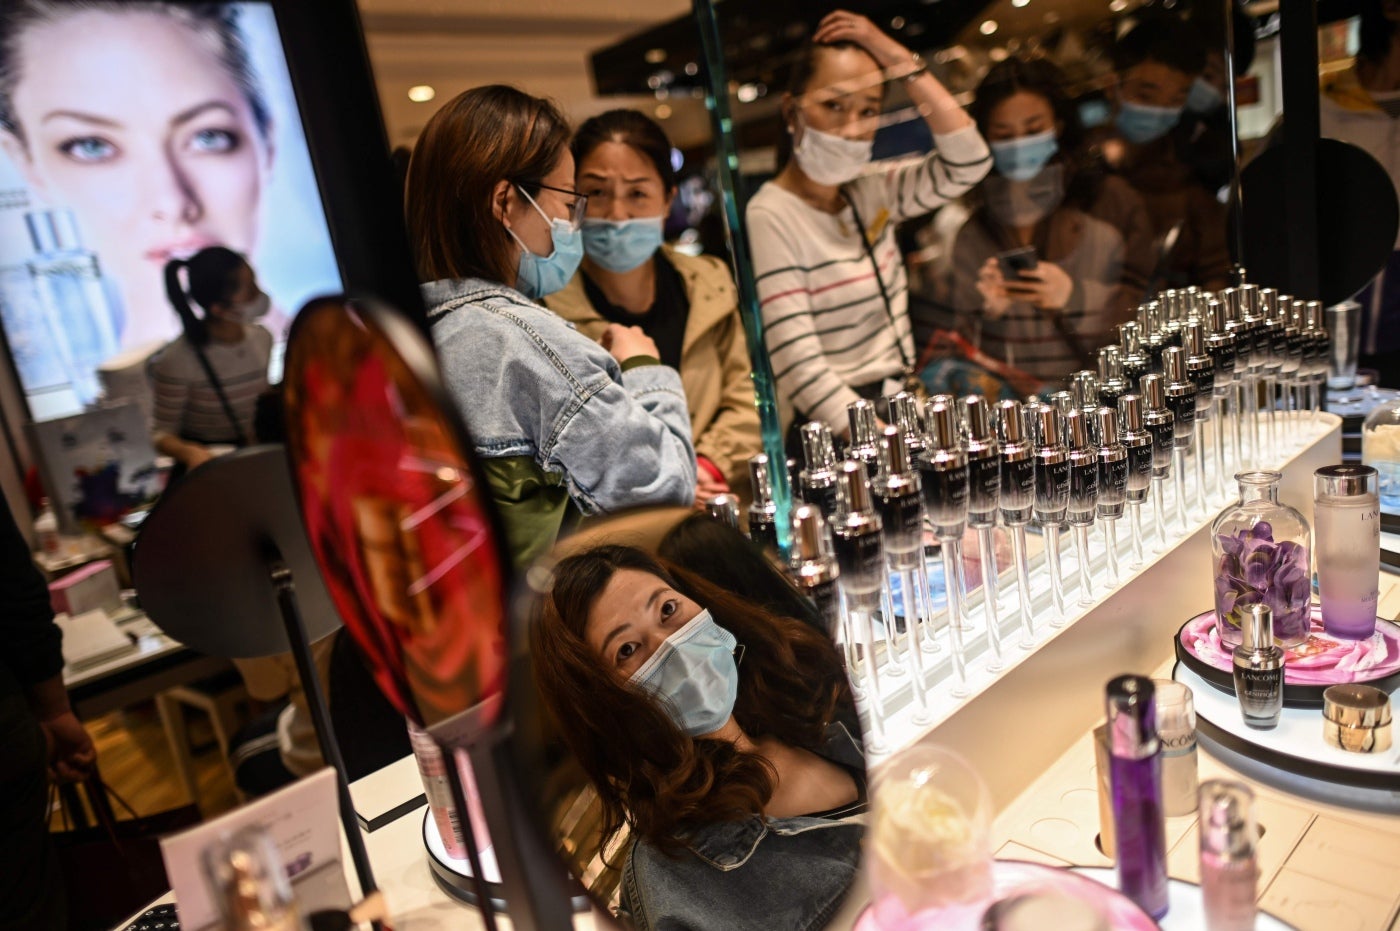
[133,122]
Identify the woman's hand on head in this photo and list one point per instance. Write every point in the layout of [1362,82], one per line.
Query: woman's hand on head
[627,342]
[845,26]
[992,286]
[1045,287]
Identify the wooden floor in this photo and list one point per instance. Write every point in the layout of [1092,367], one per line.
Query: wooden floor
[135,761]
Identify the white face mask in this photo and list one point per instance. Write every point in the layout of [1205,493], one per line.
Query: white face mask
[829,159]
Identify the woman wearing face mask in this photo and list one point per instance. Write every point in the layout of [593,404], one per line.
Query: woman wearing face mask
[687,305]
[558,421]
[1048,318]
[831,280]
[712,732]
[206,383]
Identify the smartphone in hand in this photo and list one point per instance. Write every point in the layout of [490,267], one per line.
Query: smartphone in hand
[1015,261]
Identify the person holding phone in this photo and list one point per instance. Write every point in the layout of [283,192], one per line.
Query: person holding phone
[1038,280]
[831,282]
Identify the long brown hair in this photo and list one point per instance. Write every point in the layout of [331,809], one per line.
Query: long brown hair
[478,139]
[650,775]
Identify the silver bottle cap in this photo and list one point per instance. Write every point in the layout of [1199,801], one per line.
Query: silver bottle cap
[1257,632]
[1313,309]
[1195,338]
[1131,407]
[810,538]
[1012,426]
[1063,401]
[942,424]
[1049,420]
[1084,385]
[1108,426]
[979,425]
[1344,481]
[894,454]
[1110,363]
[1174,364]
[761,481]
[1227,819]
[1132,717]
[816,447]
[855,487]
[1215,316]
[1249,300]
[862,416]
[1230,297]
[904,413]
[725,509]
[1130,337]
[1153,392]
[1077,429]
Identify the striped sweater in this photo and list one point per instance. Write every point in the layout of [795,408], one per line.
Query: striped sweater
[186,404]
[825,323]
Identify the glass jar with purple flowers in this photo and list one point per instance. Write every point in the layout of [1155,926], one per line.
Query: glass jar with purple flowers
[1261,549]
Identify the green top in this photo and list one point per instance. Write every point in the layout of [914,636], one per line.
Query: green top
[532,503]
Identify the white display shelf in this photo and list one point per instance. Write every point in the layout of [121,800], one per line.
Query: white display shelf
[1016,721]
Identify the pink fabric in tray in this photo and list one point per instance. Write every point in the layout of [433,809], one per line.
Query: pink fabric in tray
[1322,660]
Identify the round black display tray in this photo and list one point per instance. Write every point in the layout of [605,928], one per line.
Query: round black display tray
[1295,694]
[454,876]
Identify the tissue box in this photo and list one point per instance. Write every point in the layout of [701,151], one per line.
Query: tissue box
[92,588]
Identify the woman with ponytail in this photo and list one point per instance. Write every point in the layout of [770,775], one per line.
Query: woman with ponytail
[206,383]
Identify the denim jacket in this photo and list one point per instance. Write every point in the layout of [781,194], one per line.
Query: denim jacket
[762,874]
[529,385]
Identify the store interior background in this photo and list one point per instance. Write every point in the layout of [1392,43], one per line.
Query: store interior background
[547,48]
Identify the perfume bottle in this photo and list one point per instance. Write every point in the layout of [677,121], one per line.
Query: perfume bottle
[1258,664]
[899,501]
[1181,401]
[1346,524]
[763,512]
[1292,361]
[1113,484]
[1320,342]
[865,447]
[1017,501]
[1052,499]
[904,414]
[1134,361]
[1223,349]
[1201,371]
[1083,495]
[1160,423]
[983,500]
[1229,860]
[1135,779]
[1112,384]
[79,319]
[858,536]
[815,571]
[725,509]
[1275,336]
[249,882]
[943,474]
[1258,342]
[1140,447]
[818,479]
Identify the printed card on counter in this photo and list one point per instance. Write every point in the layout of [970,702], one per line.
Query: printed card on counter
[303,821]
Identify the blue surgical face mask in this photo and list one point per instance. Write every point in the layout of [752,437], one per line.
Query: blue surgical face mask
[542,275]
[1022,159]
[1141,124]
[694,674]
[1203,97]
[622,245]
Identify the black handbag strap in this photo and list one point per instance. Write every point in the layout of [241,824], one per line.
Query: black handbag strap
[880,281]
[238,435]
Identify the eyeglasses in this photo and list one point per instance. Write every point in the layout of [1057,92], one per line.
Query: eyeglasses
[580,207]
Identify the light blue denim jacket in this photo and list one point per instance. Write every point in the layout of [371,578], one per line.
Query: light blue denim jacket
[761,874]
[529,384]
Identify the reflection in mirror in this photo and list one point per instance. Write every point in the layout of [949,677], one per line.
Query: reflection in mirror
[690,735]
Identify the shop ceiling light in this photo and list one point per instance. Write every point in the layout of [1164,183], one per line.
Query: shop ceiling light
[421,93]
[988,27]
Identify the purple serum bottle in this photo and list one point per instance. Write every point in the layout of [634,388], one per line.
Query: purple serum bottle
[1135,781]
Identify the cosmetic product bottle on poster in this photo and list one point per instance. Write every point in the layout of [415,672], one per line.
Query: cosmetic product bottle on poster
[1200,370]
[1229,859]
[1083,496]
[1113,484]
[943,474]
[1181,401]
[983,501]
[1258,664]
[1112,384]
[1347,527]
[1224,352]
[763,512]
[725,509]
[248,880]
[815,571]
[1017,502]
[1052,500]
[864,446]
[1135,779]
[1158,420]
[818,479]
[858,536]
[900,504]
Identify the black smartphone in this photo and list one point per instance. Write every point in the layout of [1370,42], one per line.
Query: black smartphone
[1015,261]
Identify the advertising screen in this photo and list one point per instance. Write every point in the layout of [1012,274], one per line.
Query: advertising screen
[131,134]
